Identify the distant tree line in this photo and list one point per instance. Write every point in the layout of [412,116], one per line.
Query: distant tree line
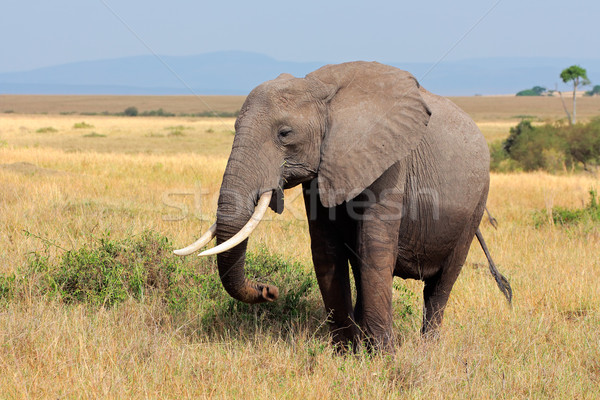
[534,91]
[134,112]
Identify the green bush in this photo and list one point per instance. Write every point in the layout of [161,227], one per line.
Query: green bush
[104,274]
[143,268]
[584,142]
[108,272]
[94,134]
[7,287]
[534,91]
[569,216]
[176,130]
[157,113]
[47,129]
[131,111]
[550,147]
[82,125]
[594,92]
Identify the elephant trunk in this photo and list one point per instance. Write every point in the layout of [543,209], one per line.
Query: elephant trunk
[235,209]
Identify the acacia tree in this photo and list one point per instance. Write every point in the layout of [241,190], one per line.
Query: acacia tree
[578,76]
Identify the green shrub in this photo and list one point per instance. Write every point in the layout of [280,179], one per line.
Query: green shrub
[82,125]
[143,268]
[131,111]
[176,130]
[104,274]
[568,216]
[534,91]
[94,134]
[584,142]
[524,116]
[550,147]
[594,92]
[47,129]
[108,272]
[7,287]
[296,283]
[157,113]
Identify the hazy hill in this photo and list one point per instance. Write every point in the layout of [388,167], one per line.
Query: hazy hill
[238,72]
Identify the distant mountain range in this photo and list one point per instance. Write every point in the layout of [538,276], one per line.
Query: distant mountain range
[237,72]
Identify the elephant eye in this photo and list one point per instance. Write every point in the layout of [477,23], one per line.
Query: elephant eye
[285,132]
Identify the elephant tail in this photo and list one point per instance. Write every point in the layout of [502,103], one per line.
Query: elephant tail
[493,221]
[501,281]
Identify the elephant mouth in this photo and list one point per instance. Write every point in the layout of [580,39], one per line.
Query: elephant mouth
[261,207]
[277,203]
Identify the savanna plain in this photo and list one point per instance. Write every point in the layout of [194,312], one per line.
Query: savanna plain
[94,305]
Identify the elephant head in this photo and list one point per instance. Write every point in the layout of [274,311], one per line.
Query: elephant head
[343,124]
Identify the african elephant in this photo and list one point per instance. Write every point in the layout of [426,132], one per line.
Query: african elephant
[395,181]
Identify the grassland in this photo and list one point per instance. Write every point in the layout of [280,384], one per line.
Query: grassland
[69,187]
[72,104]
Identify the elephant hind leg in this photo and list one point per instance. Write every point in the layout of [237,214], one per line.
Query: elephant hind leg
[437,288]
[435,297]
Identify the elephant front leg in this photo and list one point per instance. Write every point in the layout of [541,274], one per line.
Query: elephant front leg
[334,282]
[330,260]
[376,256]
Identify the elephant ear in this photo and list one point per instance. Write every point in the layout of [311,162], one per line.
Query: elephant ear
[376,118]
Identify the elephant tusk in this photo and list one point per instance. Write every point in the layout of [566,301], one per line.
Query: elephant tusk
[259,212]
[198,244]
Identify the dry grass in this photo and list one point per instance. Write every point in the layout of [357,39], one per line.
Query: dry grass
[68,188]
[498,108]
[56,104]
[211,136]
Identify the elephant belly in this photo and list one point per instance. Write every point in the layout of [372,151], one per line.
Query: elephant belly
[424,246]
[447,181]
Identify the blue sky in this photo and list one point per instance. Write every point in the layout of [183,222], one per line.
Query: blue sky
[41,33]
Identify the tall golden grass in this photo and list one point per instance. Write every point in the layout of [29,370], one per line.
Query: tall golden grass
[67,188]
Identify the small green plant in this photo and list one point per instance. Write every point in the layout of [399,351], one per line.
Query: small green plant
[82,125]
[176,130]
[524,116]
[9,111]
[567,216]
[93,135]
[7,287]
[47,129]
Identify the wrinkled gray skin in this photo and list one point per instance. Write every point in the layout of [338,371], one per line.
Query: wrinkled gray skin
[395,182]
